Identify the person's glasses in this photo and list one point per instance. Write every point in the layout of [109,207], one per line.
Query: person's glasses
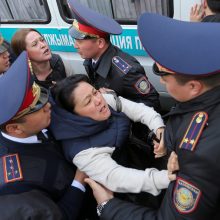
[158,72]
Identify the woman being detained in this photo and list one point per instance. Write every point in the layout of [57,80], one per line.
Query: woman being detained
[90,130]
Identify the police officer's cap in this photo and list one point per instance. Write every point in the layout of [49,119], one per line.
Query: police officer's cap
[190,48]
[19,94]
[91,24]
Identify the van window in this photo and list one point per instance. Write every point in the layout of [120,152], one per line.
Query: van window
[29,11]
[124,11]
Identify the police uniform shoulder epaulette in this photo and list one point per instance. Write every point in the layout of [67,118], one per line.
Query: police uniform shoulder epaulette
[10,169]
[194,131]
[121,64]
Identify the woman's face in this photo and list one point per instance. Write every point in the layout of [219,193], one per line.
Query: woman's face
[4,62]
[37,47]
[89,102]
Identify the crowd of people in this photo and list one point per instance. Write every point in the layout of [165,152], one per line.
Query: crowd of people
[67,142]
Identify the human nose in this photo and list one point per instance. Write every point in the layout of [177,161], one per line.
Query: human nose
[76,45]
[97,100]
[6,54]
[43,44]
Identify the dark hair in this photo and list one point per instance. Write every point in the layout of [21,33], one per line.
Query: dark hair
[107,38]
[210,81]
[18,43]
[62,92]
[19,120]
[214,5]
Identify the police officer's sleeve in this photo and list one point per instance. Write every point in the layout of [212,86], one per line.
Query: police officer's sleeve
[70,203]
[117,209]
[137,87]
[175,198]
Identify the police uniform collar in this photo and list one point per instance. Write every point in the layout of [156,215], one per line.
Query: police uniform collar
[189,48]
[94,61]
[29,140]
[104,63]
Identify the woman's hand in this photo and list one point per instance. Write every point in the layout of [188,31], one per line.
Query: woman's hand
[100,193]
[172,166]
[159,148]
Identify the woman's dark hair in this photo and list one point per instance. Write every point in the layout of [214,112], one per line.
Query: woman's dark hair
[62,92]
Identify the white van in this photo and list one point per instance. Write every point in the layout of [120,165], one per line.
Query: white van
[53,18]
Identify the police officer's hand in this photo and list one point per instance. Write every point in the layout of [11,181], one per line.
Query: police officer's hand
[80,176]
[159,148]
[197,13]
[172,166]
[100,193]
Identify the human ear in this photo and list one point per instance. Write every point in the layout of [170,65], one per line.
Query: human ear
[195,88]
[101,42]
[13,129]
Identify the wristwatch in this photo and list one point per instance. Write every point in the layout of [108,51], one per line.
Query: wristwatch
[100,207]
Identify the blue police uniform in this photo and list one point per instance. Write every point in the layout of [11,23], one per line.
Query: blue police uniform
[25,167]
[192,130]
[122,73]
[39,166]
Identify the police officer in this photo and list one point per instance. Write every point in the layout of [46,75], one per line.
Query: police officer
[36,181]
[188,63]
[107,65]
